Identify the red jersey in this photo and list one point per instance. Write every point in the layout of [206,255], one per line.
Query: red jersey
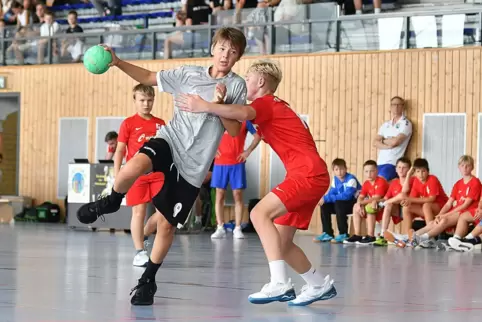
[432,187]
[378,188]
[289,136]
[462,191]
[135,131]
[231,147]
[110,149]
[396,187]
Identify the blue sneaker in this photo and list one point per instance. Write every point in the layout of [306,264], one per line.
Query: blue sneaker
[322,238]
[340,238]
[274,292]
[310,294]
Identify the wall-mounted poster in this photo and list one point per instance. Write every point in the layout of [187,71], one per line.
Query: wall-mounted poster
[103,181]
[79,183]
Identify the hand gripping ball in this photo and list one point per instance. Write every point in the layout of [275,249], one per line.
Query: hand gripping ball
[97,60]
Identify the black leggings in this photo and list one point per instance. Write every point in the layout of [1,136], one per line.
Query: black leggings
[342,208]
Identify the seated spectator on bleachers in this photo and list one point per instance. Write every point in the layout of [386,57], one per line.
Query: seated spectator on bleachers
[292,10]
[392,139]
[395,195]
[48,28]
[176,38]
[7,13]
[377,5]
[259,33]
[24,17]
[114,7]
[75,46]
[373,190]
[427,197]
[339,200]
[40,10]
[197,12]
[465,197]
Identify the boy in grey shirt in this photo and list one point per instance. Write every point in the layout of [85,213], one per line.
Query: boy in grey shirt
[183,149]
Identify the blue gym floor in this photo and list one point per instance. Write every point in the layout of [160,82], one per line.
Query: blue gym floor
[50,273]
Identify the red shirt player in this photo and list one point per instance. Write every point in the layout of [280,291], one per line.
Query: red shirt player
[134,132]
[290,205]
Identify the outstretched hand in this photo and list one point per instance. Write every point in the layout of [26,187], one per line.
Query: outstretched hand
[191,103]
[115,59]
[220,93]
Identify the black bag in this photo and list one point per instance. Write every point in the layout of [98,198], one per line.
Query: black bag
[48,212]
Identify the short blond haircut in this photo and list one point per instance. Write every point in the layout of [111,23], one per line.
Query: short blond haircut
[270,70]
[468,160]
[144,89]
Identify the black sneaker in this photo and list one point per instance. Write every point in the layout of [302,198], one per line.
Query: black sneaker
[367,240]
[352,240]
[144,292]
[473,241]
[88,213]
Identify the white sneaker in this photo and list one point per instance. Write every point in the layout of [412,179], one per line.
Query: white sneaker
[310,294]
[141,259]
[238,233]
[219,233]
[459,245]
[274,292]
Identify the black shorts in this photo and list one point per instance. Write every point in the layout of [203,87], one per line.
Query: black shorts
[177,196]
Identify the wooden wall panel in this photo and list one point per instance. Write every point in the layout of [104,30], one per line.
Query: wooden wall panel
[346,96]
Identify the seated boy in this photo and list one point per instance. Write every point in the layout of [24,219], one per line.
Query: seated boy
[464,198]
[427,198]
[467,244]
[394,196]
[339,200]
[373,190]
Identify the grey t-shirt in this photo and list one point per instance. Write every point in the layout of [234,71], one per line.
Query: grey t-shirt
[194,137]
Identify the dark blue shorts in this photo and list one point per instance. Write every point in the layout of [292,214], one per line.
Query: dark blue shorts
[387,171]
[234,174]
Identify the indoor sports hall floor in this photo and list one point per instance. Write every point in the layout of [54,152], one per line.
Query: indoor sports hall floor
[50,273]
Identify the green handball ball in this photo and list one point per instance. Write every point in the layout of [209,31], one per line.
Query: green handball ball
[97,60]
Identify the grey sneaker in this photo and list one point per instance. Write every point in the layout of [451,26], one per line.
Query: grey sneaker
[430,243]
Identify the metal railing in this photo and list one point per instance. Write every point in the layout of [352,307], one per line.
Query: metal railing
[336,33]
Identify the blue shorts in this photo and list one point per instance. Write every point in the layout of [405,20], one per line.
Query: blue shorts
[387,171]
[234,174]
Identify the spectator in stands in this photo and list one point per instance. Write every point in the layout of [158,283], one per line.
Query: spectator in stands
[377,4]
[40,10]
[75,46]
[373,190]
[24,22]
[393,197]
[339,200]
[427,197]
[465,197]
[114,7]
[259,33]
[7,13]
[111,140]
[48,28]
[23,16]
[392,139]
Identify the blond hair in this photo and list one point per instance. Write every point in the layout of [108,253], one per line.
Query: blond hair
[144,89]
[270,70]
[467,159]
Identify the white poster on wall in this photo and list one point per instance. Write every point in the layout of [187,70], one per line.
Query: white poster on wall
[79,183]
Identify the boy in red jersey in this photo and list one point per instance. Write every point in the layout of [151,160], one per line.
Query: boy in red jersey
[134,132]
[373,190]
[464,198]
[229,167]
[290,205]
[427,197]
[111,140]
[393,197]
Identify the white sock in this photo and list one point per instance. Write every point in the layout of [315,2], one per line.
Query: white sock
[424,237]
[197,219]
[458,237]
[378,10]
[358,12]
[278,271]
[382,232]
[313,277]
[469,236]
